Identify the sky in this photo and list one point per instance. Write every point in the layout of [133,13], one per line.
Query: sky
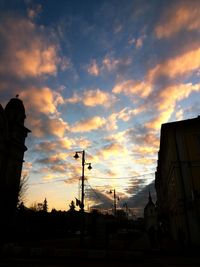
[100,76]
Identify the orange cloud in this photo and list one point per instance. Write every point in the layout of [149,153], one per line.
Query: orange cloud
[62,143]
[146,149]
[57,127]
[125,115]
[179,65]
[42,100]
[88,124]
[108,64]
[145,161]
[36,61]
[27,52]
[42,115]
[41,127]
[96,97]
[82,143]
[92,98]
[131,87]
[167,99]
[182,16]
[172,94]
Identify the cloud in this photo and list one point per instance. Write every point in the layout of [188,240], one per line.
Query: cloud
[139,41]
[56,166]
[93,68]
[167,100]
[88,125]
[27,52]
[172,68]
[53,160]
[97,97]
[112,150]
[139,201]
[34,11]
[47,146]
[45,126]
[132,88]
[98,198]
[145,145]
[92,98]
[179,115]
[42,115]
[43,100]
[172,94]
[160,88]
[124,114]
[184,15]
[108,64]
[65,63]
[180,65]
[62,144]
[27,166]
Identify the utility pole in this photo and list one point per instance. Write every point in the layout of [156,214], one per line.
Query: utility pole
[81,205]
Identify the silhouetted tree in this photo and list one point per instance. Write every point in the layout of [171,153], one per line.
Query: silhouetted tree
[45,205]
[72,206]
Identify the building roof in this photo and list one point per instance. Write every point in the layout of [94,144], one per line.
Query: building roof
[150,202]
[15,104]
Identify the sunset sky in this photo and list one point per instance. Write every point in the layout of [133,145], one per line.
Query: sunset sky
[100,76]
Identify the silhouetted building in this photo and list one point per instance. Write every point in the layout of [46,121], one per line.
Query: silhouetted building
[178,180]
[12,148]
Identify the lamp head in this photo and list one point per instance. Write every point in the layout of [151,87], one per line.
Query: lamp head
[89,167]
[76,156]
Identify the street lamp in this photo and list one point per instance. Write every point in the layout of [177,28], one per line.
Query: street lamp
[76,156]
[115,198]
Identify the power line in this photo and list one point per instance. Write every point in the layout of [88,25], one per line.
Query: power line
[95,177]
[125,177]
[94,191]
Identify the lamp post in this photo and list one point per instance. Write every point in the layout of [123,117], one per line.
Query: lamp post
[76,156]
[115,198]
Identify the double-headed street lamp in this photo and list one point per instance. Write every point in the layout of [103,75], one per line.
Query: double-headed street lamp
[76,156]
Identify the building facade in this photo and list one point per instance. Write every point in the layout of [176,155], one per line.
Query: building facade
[12,148]
[178,180]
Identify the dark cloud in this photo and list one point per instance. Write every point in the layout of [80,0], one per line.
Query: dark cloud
[100,197]
[139,200]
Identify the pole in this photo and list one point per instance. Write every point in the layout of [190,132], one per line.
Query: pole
[82,200]
[82,180]
[81,203]
[115,205]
